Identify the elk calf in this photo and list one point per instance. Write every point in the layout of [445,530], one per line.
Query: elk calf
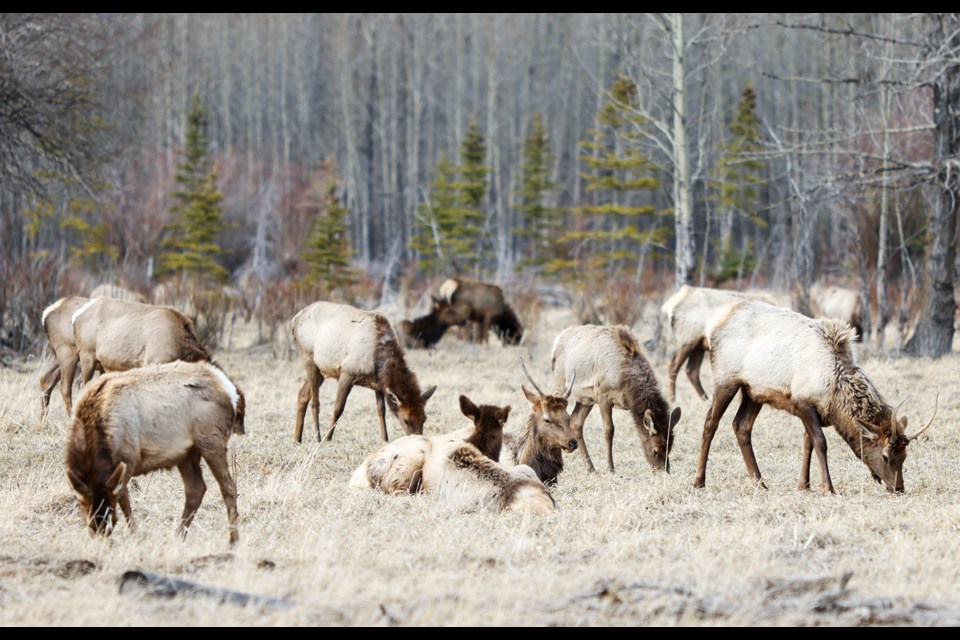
[612,372]
[160,416]
[357,348]
[806,367]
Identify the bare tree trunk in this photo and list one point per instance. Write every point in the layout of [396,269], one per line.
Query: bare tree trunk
[686,260]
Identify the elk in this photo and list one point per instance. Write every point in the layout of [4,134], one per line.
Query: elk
[837,302]
[547,435]
[614,373]
[57,320]
[116,291]
[687,313]
[358,348]
[484,305]
[426,331]
[806,367]
[465,477]
[129,423]
[117,335]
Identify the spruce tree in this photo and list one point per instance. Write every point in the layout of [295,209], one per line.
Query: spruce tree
[540,222]
[436,239]
[327,252]
[190,246]
[471,192]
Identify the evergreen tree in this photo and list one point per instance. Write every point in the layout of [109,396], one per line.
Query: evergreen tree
[190,247]
[737,186]
[540,222]
[471,191]
[328,251]
[617,171]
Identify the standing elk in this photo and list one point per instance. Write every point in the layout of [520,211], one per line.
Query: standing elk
[837,302]
[426,331]
[358,348]
[686,313]
[57,320]
[116,291]
[465,476]
[807,368]
[612,372]
[483,304]
[130,423]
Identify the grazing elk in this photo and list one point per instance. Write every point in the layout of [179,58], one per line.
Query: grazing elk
[116,291]
[686,314]
[426,331]
[837,302]
[806,367]
[130,423]
[484,305]
[466,477]
[547,435]
[358,348]
[612,372]
[57,320]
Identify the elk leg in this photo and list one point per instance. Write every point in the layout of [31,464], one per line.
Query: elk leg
[193,488]
[743,427]
[606,413]
[681,356]
[382,414]
[693,368]
[303,400]
[68,373]
[217,461]
[343,390]
[722,396]
[577,418]
[47,382]
[811,422]
[804,482]
[484,336]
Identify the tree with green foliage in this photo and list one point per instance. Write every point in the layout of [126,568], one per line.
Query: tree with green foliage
[450,235]
[327,251]
[540,222]
[611,232]
[736,188]
[190,248]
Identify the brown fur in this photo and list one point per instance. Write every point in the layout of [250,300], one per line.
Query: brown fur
[131,423]
[488,421]
[542,443]
[426,331]
[484,305]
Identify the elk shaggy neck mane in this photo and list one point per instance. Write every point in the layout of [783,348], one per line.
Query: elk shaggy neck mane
[546,461]
[390,367]
[91,449]
[640,386]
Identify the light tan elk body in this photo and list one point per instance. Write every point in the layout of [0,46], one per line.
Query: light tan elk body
[130,423]
[451,466]
[806,367]
[357,348]
[612,372]
[685,316]
[483,304]
[837,302]
[57,323]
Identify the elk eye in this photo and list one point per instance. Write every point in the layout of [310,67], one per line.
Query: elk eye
[547,421]
[885,457]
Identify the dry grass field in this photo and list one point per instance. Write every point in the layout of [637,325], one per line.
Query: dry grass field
[630,548]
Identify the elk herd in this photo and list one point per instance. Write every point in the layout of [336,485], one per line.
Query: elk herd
[161,400]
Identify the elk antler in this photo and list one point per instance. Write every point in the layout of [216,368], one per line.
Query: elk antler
[936,403]
[530,378]
[570,388]
[893,418]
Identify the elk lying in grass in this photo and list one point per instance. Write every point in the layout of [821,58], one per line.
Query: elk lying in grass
[805,367]
[358,348]
[485,306]
[57,323]
[133,422]
[547,435]
[465,477]
[612,372]
[837,302]
[686,314]
[426,331]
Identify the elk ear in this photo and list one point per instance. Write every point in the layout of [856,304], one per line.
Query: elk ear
[531,396]
[468,408]
[392,400]
[115,482]
[79,486]
[866,434]
[648,422]
[674,418]
[429,392]
[504,414]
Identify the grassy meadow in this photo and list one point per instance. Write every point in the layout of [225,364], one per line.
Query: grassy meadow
[634,547]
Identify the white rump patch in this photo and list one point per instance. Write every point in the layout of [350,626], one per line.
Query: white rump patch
[228,386]
[50,309]
[81,310]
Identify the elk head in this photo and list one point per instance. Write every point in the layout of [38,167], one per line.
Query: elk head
[885,447]
[550,414]
[99,500]
[657,438]
[412,415]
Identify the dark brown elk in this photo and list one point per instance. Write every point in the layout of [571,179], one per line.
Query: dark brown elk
[357,348]
[837,302]
[483,304]
[806,367]
[130,423]
[426,331]
[547,435]
[117,335]
[57,323]
[612,372]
